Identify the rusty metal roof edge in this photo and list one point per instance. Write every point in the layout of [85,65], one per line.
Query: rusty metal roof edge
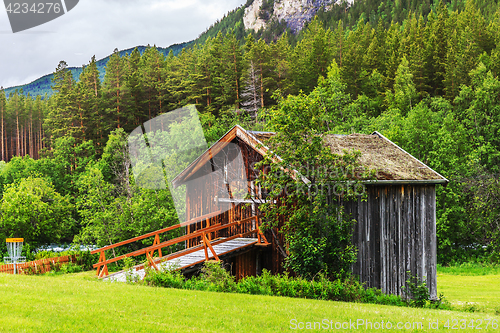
[444,179]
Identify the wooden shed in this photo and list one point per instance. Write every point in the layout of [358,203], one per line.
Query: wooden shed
[396,226]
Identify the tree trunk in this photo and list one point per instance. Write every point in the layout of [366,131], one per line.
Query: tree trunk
[237,87]
[261,86]
[118,101]
[18,146]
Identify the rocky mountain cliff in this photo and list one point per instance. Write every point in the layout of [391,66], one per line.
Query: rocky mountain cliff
[295,12]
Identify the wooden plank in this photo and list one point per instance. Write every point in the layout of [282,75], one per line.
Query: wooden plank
[375,215]
[413,253]
[431,235]
[422,273]
[399,260]
[383,241]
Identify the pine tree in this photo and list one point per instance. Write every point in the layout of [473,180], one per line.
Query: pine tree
[90,112]
[281,71]
[152,70]
[136,90]
[357,43]
[38,112]
[417,57]
[190,78]
[115,93]
[392,54]
[16,111]
[259,54]
[439,34]
[312,56]
[233,68]
[62,118]
[339,43]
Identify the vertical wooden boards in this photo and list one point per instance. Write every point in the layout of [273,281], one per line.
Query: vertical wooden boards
[432,244]
[245,264]
[395,234]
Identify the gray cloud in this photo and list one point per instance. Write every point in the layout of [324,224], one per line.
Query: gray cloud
[97,27]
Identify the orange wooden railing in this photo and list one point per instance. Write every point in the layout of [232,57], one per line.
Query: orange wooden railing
[243,228]
[37,266]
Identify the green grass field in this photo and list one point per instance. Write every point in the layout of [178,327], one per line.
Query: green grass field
[471,287]
[471,269]
[80,303]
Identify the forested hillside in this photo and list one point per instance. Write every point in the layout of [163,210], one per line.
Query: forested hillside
[43,85]
[427,81]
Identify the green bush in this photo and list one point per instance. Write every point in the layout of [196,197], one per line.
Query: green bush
[416,291]
[214,277]
[70,268]
[86,260]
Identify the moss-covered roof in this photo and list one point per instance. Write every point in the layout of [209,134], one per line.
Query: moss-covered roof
[380,154]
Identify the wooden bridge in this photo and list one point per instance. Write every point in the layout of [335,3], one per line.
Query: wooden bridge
[240,235]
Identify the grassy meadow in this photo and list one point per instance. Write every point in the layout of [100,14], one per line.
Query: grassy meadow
[471,287]
[80,303]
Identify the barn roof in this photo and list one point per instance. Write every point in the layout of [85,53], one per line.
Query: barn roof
[393,164]
[379,153]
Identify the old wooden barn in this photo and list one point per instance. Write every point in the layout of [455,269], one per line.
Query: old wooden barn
[396,226]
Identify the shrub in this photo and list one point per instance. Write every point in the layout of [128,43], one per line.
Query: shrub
[416,291]
[218,278]
[71,268]
[86,260]
[214,277]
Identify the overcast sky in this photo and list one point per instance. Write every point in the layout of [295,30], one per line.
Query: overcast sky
[97,27]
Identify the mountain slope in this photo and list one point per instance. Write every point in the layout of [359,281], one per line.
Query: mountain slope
[43,85]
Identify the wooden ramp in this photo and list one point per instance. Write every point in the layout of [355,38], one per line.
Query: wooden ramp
[182,260]
[240,234]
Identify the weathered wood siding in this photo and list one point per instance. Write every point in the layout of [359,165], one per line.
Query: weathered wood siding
[245,264]
[395,234]
[208,184]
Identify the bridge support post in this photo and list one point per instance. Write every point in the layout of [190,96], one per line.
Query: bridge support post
[207,243]
[104,271]
[151,261]
[156,242]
